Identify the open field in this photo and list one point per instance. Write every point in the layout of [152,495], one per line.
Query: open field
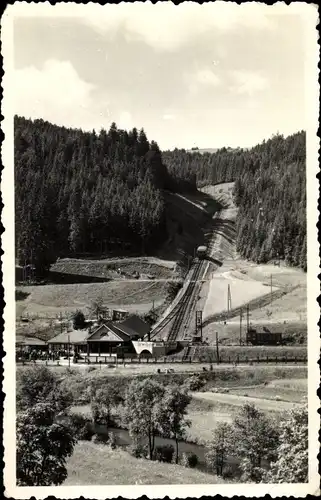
[238,400]
[248,281]
[51,300]
[292,391]
[230,333]
[98,464]
[250,353]
[222,375]
[107,268]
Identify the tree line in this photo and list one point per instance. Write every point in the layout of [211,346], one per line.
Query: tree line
[270,191]
[87,192]
[78,192]
[268,449]
[191,170]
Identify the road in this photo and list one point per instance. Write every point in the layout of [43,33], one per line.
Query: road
[238,400]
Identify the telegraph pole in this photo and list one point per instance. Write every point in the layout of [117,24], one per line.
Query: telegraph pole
[199,322]
[229,299]
[241,317]
[271,288]
[217,351]
[247,320]
[69,351]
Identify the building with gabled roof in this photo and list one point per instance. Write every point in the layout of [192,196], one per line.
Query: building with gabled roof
[107,338]
[133,326]
[75,338]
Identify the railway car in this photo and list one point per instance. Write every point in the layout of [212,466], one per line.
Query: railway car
[201,252]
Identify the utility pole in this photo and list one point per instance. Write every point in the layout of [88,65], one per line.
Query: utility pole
[271,288]
[199,321]
[217,351]
[241,317]
[229,299]
[60,316]
[69,351]
[247,321]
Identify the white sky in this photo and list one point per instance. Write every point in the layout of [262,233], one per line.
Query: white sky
[208,76]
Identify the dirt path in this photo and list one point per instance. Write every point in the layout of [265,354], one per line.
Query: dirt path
[231,399]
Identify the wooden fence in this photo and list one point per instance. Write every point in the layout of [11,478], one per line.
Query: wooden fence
[240,360]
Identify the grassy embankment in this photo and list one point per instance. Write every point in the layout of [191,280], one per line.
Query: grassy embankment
[98,464]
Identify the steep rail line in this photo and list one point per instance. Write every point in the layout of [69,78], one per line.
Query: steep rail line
[186,303]
[180,309]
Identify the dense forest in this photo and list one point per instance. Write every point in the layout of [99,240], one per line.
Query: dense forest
[271,196]
[85,192]
[189,170]
[270,191]
[79,192]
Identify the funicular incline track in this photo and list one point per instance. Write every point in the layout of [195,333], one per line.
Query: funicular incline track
[179,312]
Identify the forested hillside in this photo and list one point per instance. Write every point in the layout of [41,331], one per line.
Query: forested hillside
[271,195]
[270,191]
[78,191]
[190,170]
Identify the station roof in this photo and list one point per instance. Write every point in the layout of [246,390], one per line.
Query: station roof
[133,326]
[20,340]
[107,332]
[74,337]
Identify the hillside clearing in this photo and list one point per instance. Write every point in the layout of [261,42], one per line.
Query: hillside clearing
[51,300]
[93,464]
[107,268]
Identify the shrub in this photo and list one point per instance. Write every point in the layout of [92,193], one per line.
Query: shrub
[81,426]
[91,369]
[164,453]
[112,440]
[101,439]
[194,383]
[228,472]
[138,450]
[189,459]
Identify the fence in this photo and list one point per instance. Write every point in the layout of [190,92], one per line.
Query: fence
[240,360]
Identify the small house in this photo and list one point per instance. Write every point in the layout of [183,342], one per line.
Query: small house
[107,339]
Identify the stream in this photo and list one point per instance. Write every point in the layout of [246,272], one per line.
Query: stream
[123,440]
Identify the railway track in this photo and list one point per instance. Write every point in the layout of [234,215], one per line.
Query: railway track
[186,303]
[181,309]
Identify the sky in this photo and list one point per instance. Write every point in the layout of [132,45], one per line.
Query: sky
[204,76]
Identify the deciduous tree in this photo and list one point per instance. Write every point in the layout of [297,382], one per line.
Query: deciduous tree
[292,461]
[142,410]
[172,411]
[43,445]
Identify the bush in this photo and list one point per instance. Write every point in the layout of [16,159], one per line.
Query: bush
[138,450]
[228,472]
[112,440]
[82,427]
[194,383]
[101,439]
[189,459]
[91,369]
[164,453]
